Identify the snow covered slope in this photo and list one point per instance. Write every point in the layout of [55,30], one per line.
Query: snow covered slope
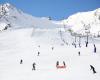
[35,35]
[82,20]
[25,43]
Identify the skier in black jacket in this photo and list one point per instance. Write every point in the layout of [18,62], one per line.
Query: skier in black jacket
[34,68]
[93,69]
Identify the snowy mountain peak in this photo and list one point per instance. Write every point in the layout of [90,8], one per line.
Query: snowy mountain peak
[5,8]
[81,20]
[97,12]
[7,5]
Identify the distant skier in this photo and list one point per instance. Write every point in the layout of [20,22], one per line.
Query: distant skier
[74,44]
[86,44]
[52,48]
[79,45]
[94,48]
[34,68]
[21,61]
[93,69]
[38,53]
[39,46]
[79,53]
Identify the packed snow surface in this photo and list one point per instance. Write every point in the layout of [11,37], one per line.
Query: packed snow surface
[25,43]
[27,35]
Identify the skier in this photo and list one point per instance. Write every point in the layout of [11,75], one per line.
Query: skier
[34,66]
[39,46]
[79,45]
[38,53]
[93,69]
[52,48]
[75,45]
[79,53]
[86,44]
[21,61]
[94,48]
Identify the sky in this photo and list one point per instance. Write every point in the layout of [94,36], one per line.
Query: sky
[56,9]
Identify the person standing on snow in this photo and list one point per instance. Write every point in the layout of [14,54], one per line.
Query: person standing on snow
[21,61]
[34,66]
[86,44]
[94,48]
[38,45]
[38,53]
[52,48]
[79,53]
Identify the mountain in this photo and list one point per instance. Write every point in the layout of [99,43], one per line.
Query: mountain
[82,21]
[15,18]
[54,43]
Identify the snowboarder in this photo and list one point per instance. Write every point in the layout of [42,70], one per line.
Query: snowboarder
[38,53]
[21,61]
[34,66]
[93,69]
[94,48]
[79,53]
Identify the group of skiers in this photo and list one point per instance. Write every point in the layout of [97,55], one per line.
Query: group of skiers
[64,65]
[59,66]
[34,64]
[86,45]
[91,66]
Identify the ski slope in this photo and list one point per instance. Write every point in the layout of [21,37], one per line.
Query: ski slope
[17,44]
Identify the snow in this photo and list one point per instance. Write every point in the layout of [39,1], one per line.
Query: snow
[80,20]
[29,35]
[23,44]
